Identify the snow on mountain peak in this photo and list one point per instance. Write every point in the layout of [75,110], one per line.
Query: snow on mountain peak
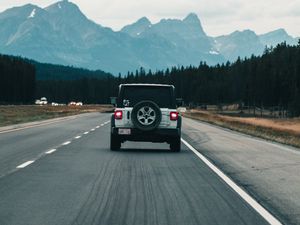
[213,52]
[32,14]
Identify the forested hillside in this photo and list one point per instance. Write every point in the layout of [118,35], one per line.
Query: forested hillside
[17,81]
[45,71]
[270,80]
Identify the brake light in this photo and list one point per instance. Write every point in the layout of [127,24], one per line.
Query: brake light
[118,114]
[173,115]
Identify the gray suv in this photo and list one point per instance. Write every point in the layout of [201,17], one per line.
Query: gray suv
[146,112]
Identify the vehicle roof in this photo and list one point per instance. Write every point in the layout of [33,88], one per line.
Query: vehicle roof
[148,85]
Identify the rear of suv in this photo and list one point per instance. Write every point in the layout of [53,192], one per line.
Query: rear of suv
[147,113]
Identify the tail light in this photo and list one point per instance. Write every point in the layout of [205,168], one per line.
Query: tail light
[173,116]
[118,114]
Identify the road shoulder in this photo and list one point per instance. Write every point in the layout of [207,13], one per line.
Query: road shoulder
[22,126]
[262,168]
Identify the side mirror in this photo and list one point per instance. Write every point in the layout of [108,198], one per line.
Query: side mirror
[113,101]
[179,102]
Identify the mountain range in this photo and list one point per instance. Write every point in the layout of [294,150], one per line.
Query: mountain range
[62,34]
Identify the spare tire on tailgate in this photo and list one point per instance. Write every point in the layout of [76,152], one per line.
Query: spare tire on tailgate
[146,115]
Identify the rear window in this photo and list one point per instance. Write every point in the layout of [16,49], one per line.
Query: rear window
[162,96]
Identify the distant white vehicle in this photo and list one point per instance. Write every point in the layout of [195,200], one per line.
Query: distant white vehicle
[79,104]
[42,101]
[54,104]
[72,103]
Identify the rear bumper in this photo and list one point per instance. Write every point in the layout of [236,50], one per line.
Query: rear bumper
[157,135]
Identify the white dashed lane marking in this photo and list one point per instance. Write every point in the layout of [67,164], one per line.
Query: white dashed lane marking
[66,143]
[50,151]
[25,164]
[63,144]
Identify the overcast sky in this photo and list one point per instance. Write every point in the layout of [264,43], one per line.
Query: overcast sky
[217,16]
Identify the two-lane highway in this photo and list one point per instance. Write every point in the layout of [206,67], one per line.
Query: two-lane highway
[76,179]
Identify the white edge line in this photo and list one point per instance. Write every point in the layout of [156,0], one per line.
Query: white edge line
[251,201]
[66,143]
[50,151]
[25,164]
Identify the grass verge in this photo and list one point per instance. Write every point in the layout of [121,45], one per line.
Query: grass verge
[285,131]
[10,115]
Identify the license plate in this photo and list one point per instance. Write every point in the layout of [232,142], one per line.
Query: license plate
[124,131]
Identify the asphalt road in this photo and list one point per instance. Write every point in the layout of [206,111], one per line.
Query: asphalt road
[64,173]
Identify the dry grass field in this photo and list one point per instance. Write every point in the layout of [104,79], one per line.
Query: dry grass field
[28,113]
[286,131]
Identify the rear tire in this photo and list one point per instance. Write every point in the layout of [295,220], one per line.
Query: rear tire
[175,145]
[156,111]
[115,143]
